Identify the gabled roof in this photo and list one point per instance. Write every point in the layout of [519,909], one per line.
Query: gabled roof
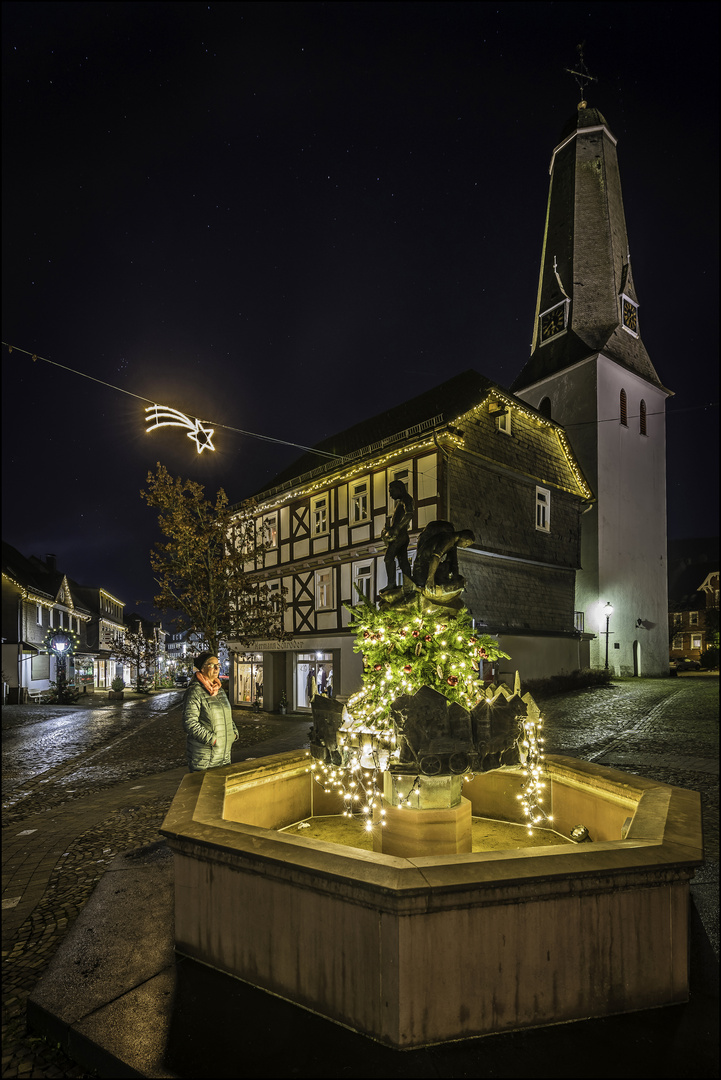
[26,573]
[429,411]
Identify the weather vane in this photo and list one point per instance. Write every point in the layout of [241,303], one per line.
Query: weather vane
[163,416]
[582,76]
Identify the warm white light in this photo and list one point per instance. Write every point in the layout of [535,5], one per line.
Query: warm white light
[163,416]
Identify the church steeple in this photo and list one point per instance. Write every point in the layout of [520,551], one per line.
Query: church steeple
[587,301]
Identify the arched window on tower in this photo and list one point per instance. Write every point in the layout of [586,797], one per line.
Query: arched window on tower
[642,419]
[623,405]
[545,407]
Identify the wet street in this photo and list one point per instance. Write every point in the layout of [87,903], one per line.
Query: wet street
[83,783]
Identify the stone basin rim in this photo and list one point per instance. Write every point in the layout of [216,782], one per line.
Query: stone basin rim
[654,841]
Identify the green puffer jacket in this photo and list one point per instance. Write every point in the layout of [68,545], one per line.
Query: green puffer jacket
[209,727]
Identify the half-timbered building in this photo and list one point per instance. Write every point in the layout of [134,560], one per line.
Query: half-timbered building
[468,452]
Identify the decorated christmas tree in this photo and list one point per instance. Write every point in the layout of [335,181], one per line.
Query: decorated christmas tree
[404,650]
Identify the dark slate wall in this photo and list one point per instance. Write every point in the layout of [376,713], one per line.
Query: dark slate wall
[506,595]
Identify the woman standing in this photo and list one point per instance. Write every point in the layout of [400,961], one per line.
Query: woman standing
[207,718]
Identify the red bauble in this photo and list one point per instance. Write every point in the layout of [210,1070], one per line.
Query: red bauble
[377,667]
[415,633]
[451,680]
[471,641]
[366,633]
[427,637]
[483,654]
[408,669]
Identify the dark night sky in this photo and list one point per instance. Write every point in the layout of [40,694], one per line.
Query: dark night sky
[286,217]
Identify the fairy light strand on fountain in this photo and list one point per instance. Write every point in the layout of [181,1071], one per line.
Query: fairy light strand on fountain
[534,785]
[401,653]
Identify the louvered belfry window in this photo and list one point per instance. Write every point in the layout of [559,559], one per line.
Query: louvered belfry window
[642,419]
[624,408]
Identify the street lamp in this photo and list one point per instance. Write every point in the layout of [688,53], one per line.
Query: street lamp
[608,612]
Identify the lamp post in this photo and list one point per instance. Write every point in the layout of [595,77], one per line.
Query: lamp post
[608,612]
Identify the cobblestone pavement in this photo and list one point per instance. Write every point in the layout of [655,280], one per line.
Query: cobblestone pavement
[86,784]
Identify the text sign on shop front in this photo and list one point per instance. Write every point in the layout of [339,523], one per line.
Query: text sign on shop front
[269,646]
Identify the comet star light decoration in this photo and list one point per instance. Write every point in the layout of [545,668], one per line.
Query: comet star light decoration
[163,416]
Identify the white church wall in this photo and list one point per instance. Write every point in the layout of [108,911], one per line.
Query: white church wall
[632,521]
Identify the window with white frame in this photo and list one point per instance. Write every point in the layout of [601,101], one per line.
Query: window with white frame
[678,641]
[404,473]
[693,618]
[359,492]
[319,514]
[39,614]
[324,598]
[274,593]
[503,421]
[363,579]
[543,509]
[678,618]
[695,641]
[269,531]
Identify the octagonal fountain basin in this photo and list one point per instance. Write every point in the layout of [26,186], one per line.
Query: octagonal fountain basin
[414,951]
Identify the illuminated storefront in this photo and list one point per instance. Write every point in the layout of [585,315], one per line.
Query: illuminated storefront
[248,679]
[313,675]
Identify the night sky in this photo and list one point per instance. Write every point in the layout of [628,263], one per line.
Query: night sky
[285,218]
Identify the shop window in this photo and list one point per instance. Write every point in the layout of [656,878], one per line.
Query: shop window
[359,501]
[319,515]
[313,675]
[642,419]
[249,678]
[324,598]
[40,667]
[543,510]
[623,407]
[363,580]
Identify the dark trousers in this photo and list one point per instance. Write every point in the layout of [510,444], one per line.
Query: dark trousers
[397,549]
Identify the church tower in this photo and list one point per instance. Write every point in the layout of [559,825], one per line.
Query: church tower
[589,371]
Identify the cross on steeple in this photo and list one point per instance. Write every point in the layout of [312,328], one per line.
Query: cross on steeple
[582,76]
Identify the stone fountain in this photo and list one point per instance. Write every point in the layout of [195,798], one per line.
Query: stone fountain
[422,940]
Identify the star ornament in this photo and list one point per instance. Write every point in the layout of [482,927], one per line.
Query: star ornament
[163,416]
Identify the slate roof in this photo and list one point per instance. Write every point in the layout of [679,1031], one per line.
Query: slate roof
[586,232]
[435,408]
[27,573]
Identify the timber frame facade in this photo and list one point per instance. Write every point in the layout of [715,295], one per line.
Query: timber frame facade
[468,452]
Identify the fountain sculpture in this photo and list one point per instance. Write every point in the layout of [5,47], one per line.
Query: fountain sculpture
[423,940]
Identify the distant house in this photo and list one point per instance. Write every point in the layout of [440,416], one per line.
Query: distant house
[105,631]
[156,659]
[693,615]
[36,599]
[468,452]
[183,645]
